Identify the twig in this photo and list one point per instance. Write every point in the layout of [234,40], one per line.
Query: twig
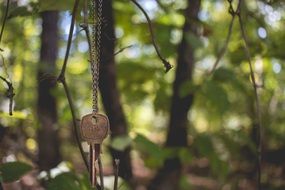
[224,49]
[122,49]
[10,90]
[230,30]
[5,80]
[9,93]
[257,101]
[74,121]
[84,27]
[116,173]
[166,64]
[61,79]
[71,29]
[164,8]
[4,19]
[4,66]
[101,172]
[119,51]
[85,12]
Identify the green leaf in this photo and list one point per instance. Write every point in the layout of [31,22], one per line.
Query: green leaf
[12,171]
[203,143]
[64,181]
[16,115]
[205,146]
[121,143]
[162,97]
[163,39]
[187,88]
[85,182]
[219,167]
[216,97]
[225,75]
[194,40]
[184,183]
[153,154]
[1,178]
[21,11]
[55,5]
[185,155]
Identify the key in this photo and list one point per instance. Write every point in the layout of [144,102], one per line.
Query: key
[94,129]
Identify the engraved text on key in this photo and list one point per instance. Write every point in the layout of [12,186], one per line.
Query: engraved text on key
[94,128]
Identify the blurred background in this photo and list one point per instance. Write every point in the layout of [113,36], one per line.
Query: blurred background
[189,128]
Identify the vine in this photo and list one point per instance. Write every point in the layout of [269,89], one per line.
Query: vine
[10,90]
[166,64]
[257,101]
[237,13]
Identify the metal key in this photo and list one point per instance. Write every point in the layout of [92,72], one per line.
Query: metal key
[94,129]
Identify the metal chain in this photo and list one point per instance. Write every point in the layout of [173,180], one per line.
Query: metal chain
[96,50]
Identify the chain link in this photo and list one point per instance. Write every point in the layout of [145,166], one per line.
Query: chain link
[96,49]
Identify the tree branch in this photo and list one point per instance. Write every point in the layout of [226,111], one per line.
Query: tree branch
[116,173]
[163,7]
[122,49]
[230,30]
[61,79]
[257,101]
[224,48]
[166,64]
[101,172]
[4,19]
[9,93]
[74,121]
[71,29]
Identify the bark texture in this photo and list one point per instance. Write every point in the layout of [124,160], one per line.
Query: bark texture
[168,177]
[110,93]
[49,153]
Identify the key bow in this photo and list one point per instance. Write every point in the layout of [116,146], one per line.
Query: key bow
[94,128]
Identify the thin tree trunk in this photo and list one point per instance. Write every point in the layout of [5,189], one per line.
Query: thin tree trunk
[168,177]
[49,154]
[110,92]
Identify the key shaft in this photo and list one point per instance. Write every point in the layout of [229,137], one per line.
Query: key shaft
[92,168]
[94,155]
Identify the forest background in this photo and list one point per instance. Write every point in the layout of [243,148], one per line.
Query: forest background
[213,121]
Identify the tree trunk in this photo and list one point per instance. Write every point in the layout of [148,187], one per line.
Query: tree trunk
[168,177]
[49,154]
[110,92]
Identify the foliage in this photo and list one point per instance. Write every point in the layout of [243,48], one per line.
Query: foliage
[12,171]
[71,182]
[221,120]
